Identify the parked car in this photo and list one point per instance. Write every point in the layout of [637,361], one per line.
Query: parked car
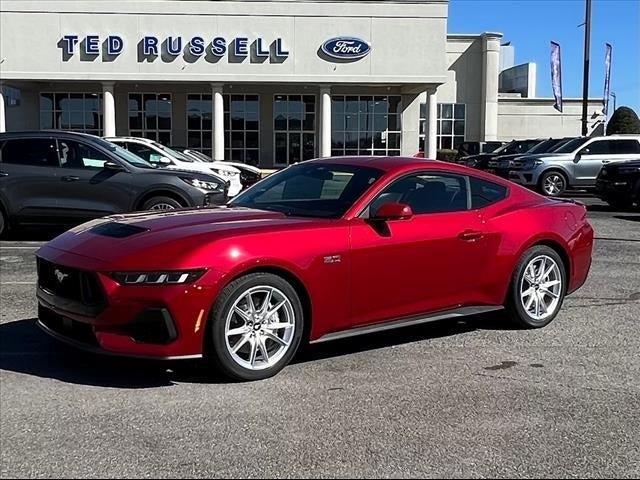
[55,177]
[248,173]
[516,147]
[577,163]
[502,165]
[466,149]
[618,184]
[322,250]
[165,157]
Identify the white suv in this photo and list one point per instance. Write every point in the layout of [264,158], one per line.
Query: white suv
[160,155]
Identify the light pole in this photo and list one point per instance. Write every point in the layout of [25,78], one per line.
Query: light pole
[585,79]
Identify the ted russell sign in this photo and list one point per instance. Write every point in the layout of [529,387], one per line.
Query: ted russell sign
[150,47]
[346,48]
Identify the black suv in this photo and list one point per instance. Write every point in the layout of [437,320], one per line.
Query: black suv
[481,161]
[618,184]
[55,177]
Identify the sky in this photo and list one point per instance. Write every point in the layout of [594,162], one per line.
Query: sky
[530,26]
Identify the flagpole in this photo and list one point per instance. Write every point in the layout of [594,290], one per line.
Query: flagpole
[585,80]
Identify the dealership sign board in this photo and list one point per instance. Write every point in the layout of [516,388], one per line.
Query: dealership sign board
[151,47]
[346,48]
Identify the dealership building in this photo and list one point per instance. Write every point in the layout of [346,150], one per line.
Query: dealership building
[270,82]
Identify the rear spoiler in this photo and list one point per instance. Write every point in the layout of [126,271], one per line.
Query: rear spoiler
[570,200]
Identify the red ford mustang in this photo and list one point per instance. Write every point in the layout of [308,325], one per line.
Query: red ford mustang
[322,250]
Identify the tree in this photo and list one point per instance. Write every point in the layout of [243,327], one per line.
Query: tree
[623,120]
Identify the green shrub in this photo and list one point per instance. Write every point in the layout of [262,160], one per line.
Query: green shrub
[623,120]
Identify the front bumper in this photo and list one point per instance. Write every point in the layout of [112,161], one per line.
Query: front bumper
[613,187]
[162,322]
[523,177]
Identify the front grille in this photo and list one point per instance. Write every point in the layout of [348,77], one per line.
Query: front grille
[70,283]
[77,331]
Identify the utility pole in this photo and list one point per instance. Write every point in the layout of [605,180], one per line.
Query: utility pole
[585,80]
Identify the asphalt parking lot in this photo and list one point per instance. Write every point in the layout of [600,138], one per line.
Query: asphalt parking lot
[451,399]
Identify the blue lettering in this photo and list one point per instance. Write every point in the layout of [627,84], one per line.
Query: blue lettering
[197,46]
[68,43]
[149,46]
[174,45]
[219,46]
[92,45]
[241,46]
[115,45]
[280,51]
[260,51]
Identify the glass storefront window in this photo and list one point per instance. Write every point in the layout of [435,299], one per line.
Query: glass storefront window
[241,126]
[451,125]
[150,116]
[366,125]
[294,125]
[77,112]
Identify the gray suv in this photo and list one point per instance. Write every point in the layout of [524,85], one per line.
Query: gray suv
[55,177]
[575,164]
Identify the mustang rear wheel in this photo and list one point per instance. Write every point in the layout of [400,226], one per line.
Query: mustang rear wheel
[538,287]
[256,327]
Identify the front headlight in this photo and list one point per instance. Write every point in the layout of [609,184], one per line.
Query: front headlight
[201,184]
[531,164]
[157,278]
[224,173]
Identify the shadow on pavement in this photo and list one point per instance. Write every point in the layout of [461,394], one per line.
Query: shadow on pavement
[33,234]
[25,349]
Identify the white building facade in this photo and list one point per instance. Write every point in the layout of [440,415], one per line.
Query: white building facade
[266,82]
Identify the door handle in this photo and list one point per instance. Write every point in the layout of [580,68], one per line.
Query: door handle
[70,178]
[4,174]
[606,161]
[470,235]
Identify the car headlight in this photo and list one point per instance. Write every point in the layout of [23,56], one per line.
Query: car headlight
[531,164]
[157,278]
[225,173]
[202,184]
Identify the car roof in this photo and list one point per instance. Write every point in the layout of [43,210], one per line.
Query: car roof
[47,133]
[389,164]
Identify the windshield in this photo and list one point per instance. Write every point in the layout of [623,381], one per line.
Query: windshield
[127,156]
[174,153]
[572,145]
[310,190]
[546,146]
[503,149]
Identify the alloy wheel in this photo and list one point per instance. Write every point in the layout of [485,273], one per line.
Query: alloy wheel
[554,184]
[541,287]
[260,327]
[162,206]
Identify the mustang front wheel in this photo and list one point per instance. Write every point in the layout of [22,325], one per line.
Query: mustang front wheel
[256,327]
[537,288]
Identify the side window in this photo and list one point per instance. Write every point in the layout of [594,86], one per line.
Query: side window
[36,152]
[143,152]
[601,147]
[485,193]
[625,147]
[79,155]
[426,193]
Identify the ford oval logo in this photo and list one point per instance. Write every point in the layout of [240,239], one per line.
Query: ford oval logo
[346,48]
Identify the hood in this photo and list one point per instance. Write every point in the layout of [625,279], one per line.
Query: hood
[178,172]
[245,166]
[191,167]
[139,239]
[542,156]
[222,166]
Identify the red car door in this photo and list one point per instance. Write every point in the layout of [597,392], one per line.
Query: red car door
[433,261]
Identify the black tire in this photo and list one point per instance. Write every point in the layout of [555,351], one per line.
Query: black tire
[555,177]
[217,352]
[155,203]
[515,309]
[3,223]
[619,203]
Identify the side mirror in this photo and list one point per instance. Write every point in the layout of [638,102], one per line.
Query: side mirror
[392,211]
[164,161]
[114,167]
[578,156]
